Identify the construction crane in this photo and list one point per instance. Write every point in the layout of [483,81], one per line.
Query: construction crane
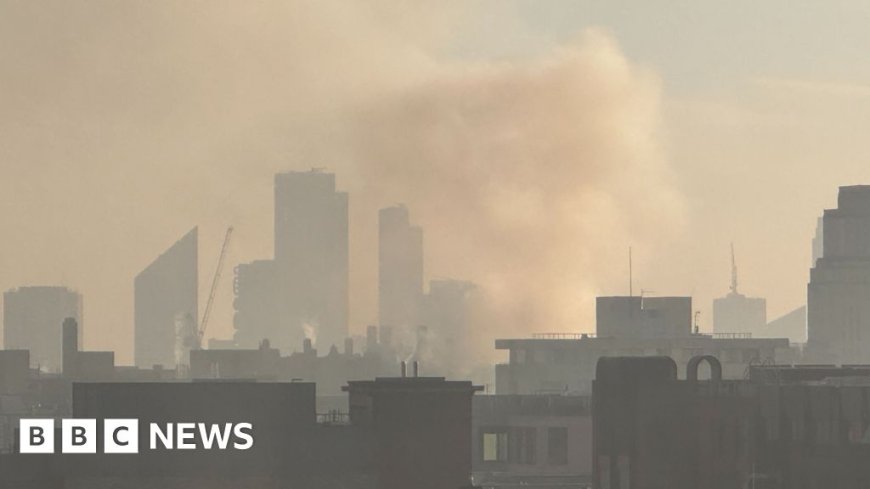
[214,283]
[733,271]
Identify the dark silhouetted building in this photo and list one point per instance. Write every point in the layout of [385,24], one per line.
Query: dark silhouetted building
[166,289]
[330,371]
[84,365]
[838,294]
[421,428]
[32,319]
[400,433]
[311,256]
[282,416]
[400,269]
[784,427]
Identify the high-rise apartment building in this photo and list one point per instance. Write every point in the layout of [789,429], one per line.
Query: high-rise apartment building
[838,295]
[311,256]
[165,290]
[400,269]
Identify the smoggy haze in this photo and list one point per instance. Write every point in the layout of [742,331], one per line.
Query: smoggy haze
[532,144]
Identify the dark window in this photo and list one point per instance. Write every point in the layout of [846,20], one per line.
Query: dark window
[557,446]
[750,355]
[523,446]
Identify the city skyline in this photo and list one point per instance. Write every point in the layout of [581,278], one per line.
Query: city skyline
[110,134]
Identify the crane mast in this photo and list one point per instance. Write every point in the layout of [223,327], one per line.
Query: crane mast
[214,283]
[733,271]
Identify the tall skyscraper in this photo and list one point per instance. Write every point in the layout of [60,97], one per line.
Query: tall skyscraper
[33,318]
[400,268]
[166,289]
[311,256]
[838,295]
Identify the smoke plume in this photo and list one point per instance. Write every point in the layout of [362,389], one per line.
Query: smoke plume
[529,178]
[124,124]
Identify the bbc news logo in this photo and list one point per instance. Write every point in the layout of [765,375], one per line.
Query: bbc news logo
[122,436]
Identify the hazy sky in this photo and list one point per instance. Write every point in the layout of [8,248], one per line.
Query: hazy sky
[534,141]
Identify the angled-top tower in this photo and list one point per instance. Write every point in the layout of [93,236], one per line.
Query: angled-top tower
[166,289]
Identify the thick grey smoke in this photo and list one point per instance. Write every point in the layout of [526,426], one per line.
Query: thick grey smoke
[124,124]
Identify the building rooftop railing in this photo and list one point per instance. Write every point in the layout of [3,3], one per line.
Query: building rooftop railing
[562,336]
[732,336]
[333,417]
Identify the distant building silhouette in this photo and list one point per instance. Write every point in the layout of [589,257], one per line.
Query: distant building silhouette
[257,314]
[737,313]
[643,317]
[791,325]
[311,257]
[400,268]
[838,295]
[84,365]
[444,342]
[32,319]
[165,289]
[330,369]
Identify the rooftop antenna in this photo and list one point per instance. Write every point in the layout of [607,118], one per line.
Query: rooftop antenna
[733,271]
[630,291]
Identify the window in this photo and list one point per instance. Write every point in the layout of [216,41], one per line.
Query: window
[750,355]
[557,446]
[523,446]
[495,446]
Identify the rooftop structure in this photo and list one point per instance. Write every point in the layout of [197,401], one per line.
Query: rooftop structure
[567,365]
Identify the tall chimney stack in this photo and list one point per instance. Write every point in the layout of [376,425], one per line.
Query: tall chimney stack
[69,346]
